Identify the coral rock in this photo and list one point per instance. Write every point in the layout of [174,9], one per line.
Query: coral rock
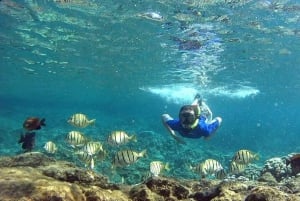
[34,176]
[269,194]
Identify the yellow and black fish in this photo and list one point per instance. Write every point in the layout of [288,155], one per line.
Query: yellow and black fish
[156,167]
[76,139]
[92,147]
[50,147]
[86,158]
[236,168]
[209,166]
[244,156]
[80,120]
[127,157]
[221,174]
[117,138]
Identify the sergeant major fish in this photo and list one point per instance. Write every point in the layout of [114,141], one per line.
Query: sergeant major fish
[50,147]
[244,156]
[80,120]
[221,174]
[86,158]
[156,167]
[236,168]
[117,138]
[209,166]
[92,147]
[76,139]
[127,157]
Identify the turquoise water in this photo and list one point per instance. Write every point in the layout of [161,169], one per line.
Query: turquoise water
[110,61]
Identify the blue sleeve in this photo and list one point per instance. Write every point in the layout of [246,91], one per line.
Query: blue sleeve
[203,128]
[208,128]
[174,124]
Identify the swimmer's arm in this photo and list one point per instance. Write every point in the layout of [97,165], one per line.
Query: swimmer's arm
[207,111]
[171,131]
[214,127]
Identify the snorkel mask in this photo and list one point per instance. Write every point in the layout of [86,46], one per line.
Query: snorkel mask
[188,116]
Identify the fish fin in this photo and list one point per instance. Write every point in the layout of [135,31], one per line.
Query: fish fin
[92,163]
[143,153]
[22,138]
[113,167]
[42,122]
[256,157]
[167,167]
[92,122]
[133,138]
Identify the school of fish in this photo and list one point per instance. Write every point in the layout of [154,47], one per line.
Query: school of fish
[89,151]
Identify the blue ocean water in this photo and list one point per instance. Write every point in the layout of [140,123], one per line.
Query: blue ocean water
[125,63]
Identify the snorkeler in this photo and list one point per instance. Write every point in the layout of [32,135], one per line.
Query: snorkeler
[194,121]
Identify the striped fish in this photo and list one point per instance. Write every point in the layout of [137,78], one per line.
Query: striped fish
[86,158]
[92,147]
[80,120]
[76,139]
[209,166]
[221,174]
[156,167]
[50,147]
[117,138]
[100,155]
[236,168]
[127,157]
[244,156]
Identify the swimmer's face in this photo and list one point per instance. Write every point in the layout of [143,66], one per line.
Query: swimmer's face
[187,118]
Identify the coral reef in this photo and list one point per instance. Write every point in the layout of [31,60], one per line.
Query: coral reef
[35,176]
[277,167]
[39,177]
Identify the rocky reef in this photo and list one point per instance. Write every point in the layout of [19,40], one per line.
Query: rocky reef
[37,177]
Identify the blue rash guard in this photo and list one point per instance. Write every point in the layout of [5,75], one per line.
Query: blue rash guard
[202,129]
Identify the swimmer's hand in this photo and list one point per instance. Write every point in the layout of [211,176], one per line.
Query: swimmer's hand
[179,140]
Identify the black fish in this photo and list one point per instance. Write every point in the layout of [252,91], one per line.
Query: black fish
[295,163]
[189,45]
[28,141]
[33,123]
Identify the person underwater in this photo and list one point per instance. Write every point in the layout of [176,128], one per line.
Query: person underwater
[195,121]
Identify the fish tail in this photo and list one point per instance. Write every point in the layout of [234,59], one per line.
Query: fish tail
[42,122]
[92,163]
[22,138]
[167,167]
[143,153]
[256,157]
[133,138]
[92,122]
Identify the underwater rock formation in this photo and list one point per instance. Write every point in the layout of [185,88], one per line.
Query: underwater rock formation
[277,167]
[35,176]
